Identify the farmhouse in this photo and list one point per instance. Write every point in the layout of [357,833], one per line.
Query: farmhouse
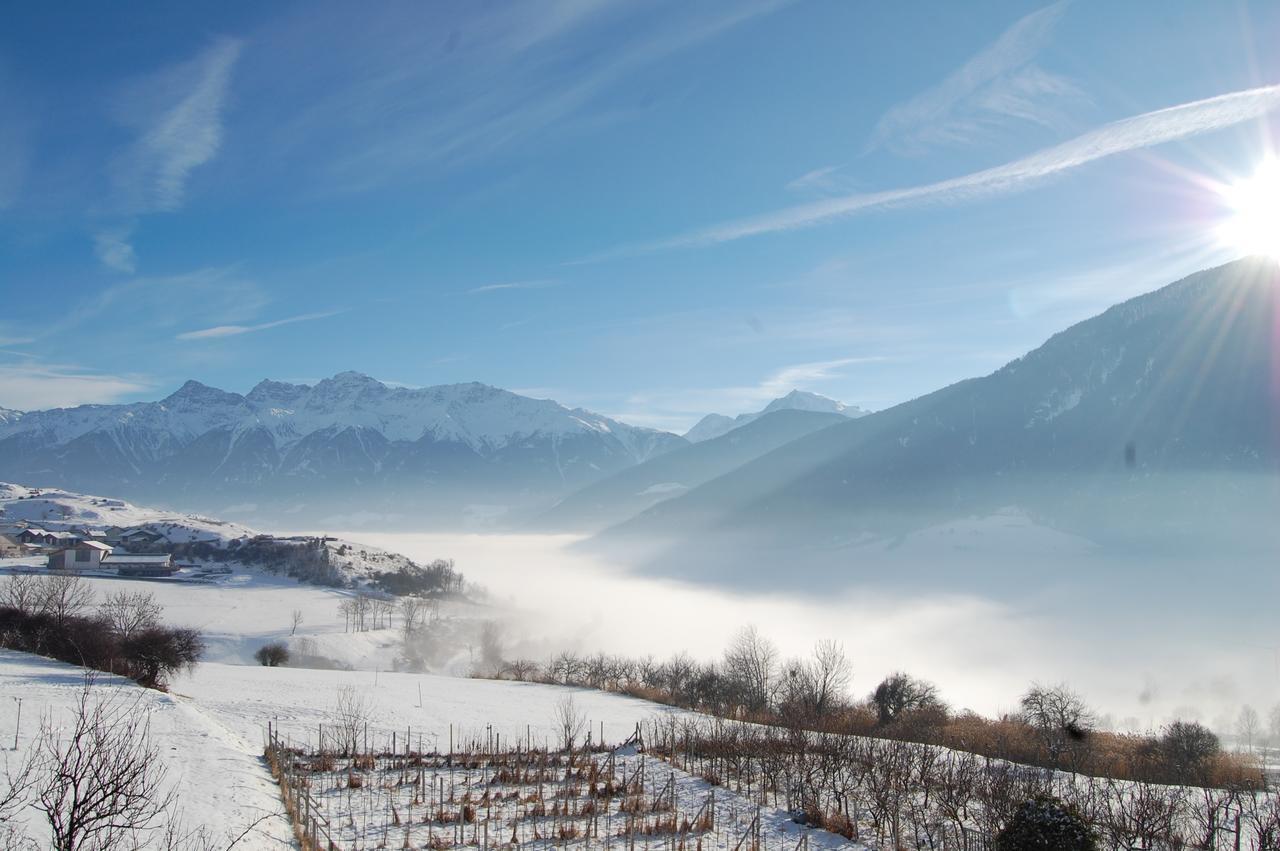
[84,555]
[9,547]
[139,564]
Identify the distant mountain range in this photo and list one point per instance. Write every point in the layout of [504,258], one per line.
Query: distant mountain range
[714,425]
[346,443]
[1151,424]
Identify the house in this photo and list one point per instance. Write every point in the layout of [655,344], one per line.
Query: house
[140,564]
[9,547]
[111,534]
[84,555]
[141,538]
[35,535]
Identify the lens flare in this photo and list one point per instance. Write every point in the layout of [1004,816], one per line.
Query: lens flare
[1254,226]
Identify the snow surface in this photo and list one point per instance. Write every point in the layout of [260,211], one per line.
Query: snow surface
[222,782]
[210,729]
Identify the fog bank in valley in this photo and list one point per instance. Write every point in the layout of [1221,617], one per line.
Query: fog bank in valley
[1145,645]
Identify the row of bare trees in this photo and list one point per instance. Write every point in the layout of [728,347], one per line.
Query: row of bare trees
[1054,727]
[914,795]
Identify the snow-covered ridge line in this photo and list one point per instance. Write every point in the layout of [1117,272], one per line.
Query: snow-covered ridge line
[475,414]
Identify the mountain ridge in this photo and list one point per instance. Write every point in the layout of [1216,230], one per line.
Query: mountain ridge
[468,442]
[1157,413]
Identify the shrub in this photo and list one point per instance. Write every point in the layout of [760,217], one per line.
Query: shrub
[272,655]
[1046,824]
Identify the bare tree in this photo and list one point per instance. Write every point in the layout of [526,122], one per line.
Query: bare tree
[1059,715]
[22,592]
[899,693]
[569,721]
[1248,725]
[412,610]
[751,662]
[295,621]
[130,612]
[816,687]
[522,669]
[351,716]
[100,780]
[1187,748]
[64,595]
[15,783]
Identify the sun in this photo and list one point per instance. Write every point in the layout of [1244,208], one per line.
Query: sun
[1254,225]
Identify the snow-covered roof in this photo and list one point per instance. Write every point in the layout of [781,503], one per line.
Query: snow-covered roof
[134,558]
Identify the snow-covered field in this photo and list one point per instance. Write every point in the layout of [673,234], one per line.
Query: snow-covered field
[210,728]
[219,777]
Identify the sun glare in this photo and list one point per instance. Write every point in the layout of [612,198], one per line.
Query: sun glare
[1254,226]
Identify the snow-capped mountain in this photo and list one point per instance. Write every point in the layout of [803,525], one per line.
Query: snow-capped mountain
[1152,423]
[413,447]
[713,425]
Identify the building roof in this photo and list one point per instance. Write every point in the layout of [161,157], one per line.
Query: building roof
[94,545]
[133,558]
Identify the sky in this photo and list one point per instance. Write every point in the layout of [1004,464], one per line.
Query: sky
[652,210]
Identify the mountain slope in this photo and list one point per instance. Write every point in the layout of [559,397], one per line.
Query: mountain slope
[1158,414]
[713,425]
[630,491]
[347,442]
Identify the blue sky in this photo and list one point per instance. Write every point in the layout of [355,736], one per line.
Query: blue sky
[653,210]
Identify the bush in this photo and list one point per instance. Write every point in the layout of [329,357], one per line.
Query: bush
[148,656]
[272,655]
[1046,824]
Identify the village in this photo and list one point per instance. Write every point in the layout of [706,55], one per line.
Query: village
[132,552]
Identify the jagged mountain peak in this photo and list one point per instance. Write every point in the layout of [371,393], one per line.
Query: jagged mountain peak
[193,392]
[268,390]
[714,425]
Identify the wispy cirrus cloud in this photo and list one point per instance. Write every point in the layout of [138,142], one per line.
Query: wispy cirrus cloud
[34,385]
[219,331]
[538,284]
[177,114]
[1130,134]
[496,80]
[998,85]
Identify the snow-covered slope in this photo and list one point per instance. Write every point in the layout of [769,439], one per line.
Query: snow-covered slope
[60,510]
[714,425]
[437,447]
